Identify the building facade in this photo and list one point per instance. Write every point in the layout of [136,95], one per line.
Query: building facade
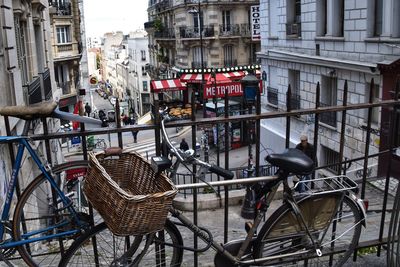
[27,75]
[67,50]
[139,80]
[174,39]
[330,42]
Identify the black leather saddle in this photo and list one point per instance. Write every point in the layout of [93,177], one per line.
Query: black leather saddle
[293,161]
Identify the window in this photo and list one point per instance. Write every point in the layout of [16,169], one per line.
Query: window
[143,54]
[196,21]
[144,71]
[145,88]
[63,34]
[375,111]
[330,18]
[226,20]
[328,98]
[293,17]
[228,56]
[197,57]
[294,81]
[20,34]
[330,157]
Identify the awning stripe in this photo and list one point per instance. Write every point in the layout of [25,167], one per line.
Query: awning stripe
[171,84]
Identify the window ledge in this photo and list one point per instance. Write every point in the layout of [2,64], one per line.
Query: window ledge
[293,37]
[273,38]
[381,40]
[328,126]
[330,38]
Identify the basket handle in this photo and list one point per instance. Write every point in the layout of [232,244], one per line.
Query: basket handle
[112,151]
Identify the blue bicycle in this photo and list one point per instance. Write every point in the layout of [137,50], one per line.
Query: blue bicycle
[49,213]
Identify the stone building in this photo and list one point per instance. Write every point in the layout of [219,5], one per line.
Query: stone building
[139,80]
[66,49]
[329,42]
[174,39]
[26,74]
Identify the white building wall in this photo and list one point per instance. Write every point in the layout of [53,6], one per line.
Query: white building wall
[352,57]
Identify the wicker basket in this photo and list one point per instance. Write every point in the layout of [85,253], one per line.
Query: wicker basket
[131,198]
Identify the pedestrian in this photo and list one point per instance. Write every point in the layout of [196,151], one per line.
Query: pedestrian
[184,145]
[88,109]
[307,149]
[134,132]
[125,119]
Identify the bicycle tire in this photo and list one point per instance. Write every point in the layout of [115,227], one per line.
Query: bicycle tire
[110,247]
[281,234]
[35,209]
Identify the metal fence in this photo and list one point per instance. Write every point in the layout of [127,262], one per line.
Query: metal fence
[342,110]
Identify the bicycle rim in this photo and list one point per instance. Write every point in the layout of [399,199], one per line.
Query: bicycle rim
[36,210]
[282,235]
[110,249]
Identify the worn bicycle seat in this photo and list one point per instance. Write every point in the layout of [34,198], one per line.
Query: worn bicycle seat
[293,161]
[38,110]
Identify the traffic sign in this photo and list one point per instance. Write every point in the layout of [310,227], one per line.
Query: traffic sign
[93,80]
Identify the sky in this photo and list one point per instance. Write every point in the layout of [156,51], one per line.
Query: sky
[115,15]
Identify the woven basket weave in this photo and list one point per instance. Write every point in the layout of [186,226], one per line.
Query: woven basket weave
[131,198]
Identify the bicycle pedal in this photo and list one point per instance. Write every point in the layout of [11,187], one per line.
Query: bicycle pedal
[248,225]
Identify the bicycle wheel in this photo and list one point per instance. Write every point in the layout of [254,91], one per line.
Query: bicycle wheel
[162,251]
[37,208]
[337,231]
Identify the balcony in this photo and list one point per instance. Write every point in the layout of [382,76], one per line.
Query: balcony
[245,30]
[33,91]
[229,30]
[148,25]
[272,96]
[193,32]
[46,81]
[66,87]
[168,33]
[293,29]
[60,9]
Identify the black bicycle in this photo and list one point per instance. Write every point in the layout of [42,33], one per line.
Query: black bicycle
[322,225]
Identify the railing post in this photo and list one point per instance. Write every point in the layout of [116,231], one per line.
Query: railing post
[226,193]
[395,214]
[343,129]
[289,108]
[316,125]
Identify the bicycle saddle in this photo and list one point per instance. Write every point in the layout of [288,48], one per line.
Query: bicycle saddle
[293,161]
[38,110]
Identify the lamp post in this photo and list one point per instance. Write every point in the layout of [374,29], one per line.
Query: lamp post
[250,85]
[198,12]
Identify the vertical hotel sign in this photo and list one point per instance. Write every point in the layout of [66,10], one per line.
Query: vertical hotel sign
[255,23]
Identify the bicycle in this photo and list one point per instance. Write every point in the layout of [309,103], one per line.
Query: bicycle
[50,210]
[295,232]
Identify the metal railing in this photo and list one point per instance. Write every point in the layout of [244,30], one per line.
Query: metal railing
[391,127]
[193,32]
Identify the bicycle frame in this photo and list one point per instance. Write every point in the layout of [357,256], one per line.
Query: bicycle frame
[22,144]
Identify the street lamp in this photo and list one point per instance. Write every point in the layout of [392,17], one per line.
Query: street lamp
[198,12]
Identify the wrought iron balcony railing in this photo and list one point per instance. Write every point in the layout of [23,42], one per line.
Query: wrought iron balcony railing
[295,101]
[33,91]
[168,33]
[293,29]
[193,32]
[62,9]
[230,62]
[229,30]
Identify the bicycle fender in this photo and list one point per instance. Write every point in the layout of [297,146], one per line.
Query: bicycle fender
[359,203]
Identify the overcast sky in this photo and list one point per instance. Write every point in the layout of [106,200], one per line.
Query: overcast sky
[115,15]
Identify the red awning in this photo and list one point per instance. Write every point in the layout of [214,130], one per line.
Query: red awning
[169,85]
[194,77]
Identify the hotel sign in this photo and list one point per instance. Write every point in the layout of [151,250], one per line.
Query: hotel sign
[255,23]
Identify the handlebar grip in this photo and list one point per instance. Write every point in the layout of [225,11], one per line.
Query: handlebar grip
[227,174]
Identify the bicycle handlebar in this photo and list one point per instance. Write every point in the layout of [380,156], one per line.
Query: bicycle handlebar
[188,157]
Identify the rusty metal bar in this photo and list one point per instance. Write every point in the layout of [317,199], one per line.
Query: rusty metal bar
[316,127]
[343,129]
[226,193]
[195,214]
[393,130]
[258,131]
[118,122]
